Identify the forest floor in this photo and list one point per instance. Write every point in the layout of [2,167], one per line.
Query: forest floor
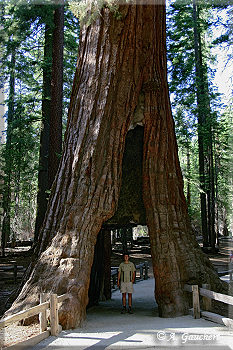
[22,257]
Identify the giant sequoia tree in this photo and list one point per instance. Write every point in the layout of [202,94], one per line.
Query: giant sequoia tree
[121,81]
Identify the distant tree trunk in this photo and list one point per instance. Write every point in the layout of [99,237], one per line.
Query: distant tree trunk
[6,226]
[43,180]
[225,230]
[123,233]
[213,235]
[51,132]
[114,237]
[201,124]
[188,176]
[205,137]
[130,230]
[216,161]
[119,59]
[55,130]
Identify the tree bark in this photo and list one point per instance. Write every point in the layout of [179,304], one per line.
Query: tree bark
[200,92]
[119,60]
[6,222]
[51,128]
[55,130]
[43,179]
[213,236]
[100,279]
[97,271]
[205,138]
[188,195]
[106,291]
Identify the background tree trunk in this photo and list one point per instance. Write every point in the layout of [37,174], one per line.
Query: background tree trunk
[119,59]
[201,115]
[6,222]
[43,180]
[55,130]
[188,191]
[205,137]
[51,128]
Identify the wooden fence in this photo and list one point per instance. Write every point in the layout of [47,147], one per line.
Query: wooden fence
[41,309]
[52,307]
[11,267]
[224,273]
[207,297]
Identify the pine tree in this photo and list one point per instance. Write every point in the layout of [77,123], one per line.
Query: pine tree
[24,26]
[188,52]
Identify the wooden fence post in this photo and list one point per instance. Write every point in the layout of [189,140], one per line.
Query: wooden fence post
[196,302]
[54,315]
[141,271]
[206,301]
[42,315]
[146,270]
[114,278]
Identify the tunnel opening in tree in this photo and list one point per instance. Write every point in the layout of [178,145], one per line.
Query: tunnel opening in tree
[130,212]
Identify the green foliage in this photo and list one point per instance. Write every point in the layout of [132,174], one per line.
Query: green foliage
[223,24]
[71,35]
[140,231]
[224,161]
[88,11]
[22,32]
[183,85]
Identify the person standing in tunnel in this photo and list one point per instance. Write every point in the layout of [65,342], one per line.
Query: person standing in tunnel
[126,278]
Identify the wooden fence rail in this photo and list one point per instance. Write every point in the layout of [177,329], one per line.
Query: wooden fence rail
[224,273]
[208,295]
[52,307]
[41,309]
[12,267]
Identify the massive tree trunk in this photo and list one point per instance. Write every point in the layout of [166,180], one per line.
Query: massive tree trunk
[121,66]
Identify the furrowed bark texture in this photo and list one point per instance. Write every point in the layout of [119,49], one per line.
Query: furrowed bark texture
[119,60]
[177,257]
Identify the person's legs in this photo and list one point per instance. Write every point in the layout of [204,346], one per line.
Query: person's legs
[123,311]
[124,299]
[130,299]
[130,303]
